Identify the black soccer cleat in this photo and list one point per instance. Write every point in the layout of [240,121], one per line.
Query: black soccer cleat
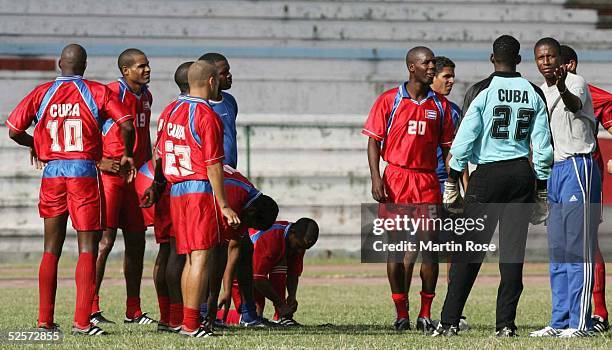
[287,322]
[202,332]
[97,318]
[164,328]
[445,331]
[402,324]
[91,331]
[425,325]
[600,325]
[506,332]
[142,319]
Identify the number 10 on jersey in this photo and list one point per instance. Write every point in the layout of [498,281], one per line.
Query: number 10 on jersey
[73,135]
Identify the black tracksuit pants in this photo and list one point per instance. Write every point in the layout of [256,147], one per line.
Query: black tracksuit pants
[490,187]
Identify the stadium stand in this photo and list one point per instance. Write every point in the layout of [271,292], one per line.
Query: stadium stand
[305,76]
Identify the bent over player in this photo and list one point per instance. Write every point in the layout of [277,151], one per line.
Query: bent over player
[405,127]
[504,121]
[67,113]
[278,261]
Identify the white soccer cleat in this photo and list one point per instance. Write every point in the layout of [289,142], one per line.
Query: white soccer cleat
[547,331]
[574,333]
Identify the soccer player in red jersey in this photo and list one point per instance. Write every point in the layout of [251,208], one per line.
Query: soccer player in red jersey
[67,114]
[602,106]
[168,264]
[405,127]
[122,203]
[278,261]
[191,150]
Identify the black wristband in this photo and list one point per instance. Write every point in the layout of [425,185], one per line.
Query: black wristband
[541,184]
[454,174]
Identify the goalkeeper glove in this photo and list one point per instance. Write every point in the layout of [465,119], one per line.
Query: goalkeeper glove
[540,209]
[452,200]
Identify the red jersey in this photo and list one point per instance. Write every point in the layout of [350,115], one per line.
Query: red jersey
[410,131]
[165,114]
[191,140]
[139,105]
[269,250]
[602,105]
[240,193]
[68,114]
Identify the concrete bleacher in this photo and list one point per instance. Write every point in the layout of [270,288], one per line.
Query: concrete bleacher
[294,62]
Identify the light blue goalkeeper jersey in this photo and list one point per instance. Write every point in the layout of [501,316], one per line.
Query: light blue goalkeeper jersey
[504,117]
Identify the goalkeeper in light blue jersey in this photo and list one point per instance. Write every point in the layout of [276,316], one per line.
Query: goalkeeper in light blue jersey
[504,122]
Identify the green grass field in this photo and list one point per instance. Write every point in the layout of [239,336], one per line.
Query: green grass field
[343,304]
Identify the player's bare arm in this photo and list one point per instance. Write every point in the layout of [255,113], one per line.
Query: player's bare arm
[215,176]
[25,139]
[378,190]
[265,288]
[153,193]
[292,286]
[127,160]
[233,254]
[571,101]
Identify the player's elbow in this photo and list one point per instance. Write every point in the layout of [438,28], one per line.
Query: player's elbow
[15,135]
[127,126]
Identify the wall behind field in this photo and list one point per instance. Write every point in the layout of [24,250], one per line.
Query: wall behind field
[294,62]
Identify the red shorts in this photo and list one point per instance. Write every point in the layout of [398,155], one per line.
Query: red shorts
[73,186]
[195,217]
[158,215]
[162,225]
[411,186]
[122,205]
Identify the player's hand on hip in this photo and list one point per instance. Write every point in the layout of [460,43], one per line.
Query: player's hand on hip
[610,166]
[378,191]
[37,163]
[540,209]
[127,168]
[109,165]
[451,199]
[232,218]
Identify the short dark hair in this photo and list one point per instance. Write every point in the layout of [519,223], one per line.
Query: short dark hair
[443,62]
[180,76]
[550,42]
[126,58]
[212,57]
[506,49]
[568,54]
[262,212]
[308,230]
